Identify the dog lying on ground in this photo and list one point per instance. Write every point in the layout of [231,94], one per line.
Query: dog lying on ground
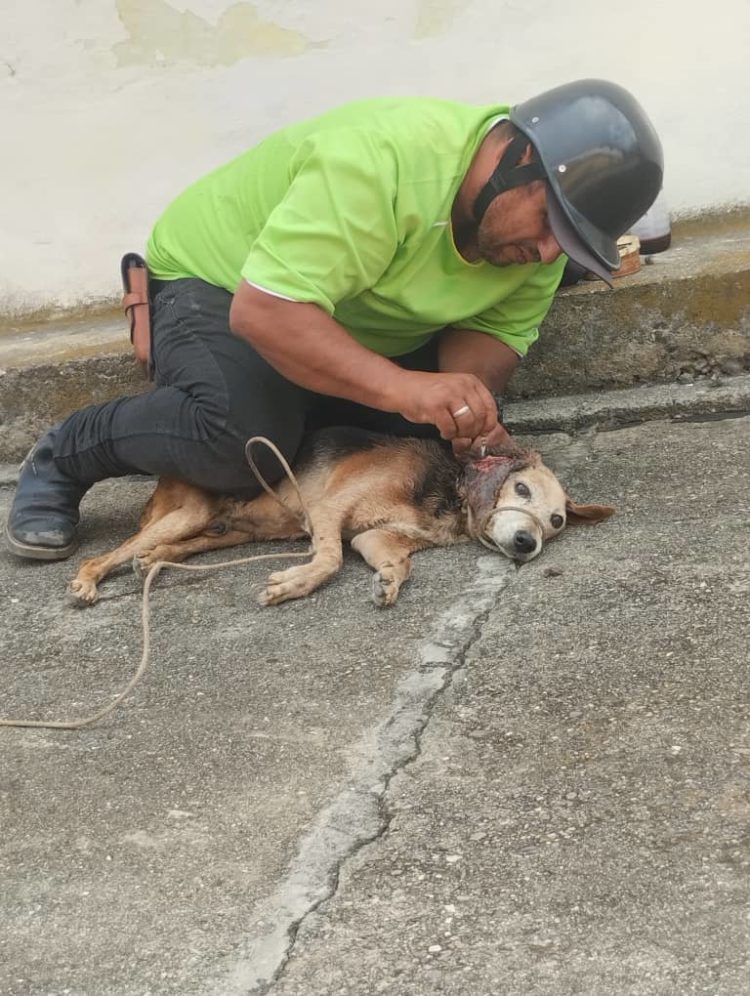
[390,496]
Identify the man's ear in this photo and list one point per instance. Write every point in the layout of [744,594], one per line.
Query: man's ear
[586,515]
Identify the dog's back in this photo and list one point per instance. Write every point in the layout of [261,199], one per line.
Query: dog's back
[391,472]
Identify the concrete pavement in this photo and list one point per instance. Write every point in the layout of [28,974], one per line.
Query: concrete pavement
[518,781]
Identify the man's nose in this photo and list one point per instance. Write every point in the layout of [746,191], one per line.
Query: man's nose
[548,248]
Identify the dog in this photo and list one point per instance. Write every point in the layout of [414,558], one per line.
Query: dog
[390,496]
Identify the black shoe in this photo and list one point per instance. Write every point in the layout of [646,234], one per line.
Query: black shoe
[44,514]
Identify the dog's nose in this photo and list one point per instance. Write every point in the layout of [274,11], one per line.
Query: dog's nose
[524,542]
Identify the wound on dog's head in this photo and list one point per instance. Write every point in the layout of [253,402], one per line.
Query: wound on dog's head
[482,480]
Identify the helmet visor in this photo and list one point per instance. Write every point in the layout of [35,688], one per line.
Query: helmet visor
[570,242]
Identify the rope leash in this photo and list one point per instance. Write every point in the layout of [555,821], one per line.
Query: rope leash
[77,724]
[490,543]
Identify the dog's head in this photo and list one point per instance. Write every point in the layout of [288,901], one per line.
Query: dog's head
[514,503]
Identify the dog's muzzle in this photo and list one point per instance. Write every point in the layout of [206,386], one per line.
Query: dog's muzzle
[524,543]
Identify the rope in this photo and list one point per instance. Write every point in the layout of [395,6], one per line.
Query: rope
[486,540]
[77,724]
[306,524]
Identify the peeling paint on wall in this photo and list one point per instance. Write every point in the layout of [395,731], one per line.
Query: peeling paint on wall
[159,35]
[435,16]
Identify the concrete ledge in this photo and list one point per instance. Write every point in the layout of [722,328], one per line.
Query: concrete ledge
[601,410]
[33,397]
[686,314]
[684,317]
[607,410]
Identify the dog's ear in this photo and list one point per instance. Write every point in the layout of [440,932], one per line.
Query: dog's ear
[481,481]
[505,450]
[587,515]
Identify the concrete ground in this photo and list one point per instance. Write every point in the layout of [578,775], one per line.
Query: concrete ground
[516,781]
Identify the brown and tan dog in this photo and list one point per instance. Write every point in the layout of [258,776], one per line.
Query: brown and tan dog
[389,496]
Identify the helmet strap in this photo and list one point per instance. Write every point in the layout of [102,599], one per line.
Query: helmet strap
[508,174]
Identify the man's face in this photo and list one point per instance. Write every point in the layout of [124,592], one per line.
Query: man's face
[515,228]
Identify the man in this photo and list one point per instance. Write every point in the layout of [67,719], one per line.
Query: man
[383,265]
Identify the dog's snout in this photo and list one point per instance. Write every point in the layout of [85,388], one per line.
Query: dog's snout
[523,541]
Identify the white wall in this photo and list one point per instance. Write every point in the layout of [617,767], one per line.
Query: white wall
[110,107]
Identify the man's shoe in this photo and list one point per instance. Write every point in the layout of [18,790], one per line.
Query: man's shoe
[44,514]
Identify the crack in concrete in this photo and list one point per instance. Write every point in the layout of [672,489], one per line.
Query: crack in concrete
[359,816]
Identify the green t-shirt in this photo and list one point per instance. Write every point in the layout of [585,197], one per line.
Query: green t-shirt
[351,211]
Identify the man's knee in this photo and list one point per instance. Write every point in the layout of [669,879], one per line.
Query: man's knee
[230,471]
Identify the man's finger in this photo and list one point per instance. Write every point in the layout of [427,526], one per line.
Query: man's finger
[484,417]
[446,425]
[461,445]
[498,437]
[490,413]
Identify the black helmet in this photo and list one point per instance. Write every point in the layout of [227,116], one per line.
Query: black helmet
[601,157]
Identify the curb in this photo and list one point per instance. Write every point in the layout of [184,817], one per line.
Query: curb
[607,410]
[685,317]
[603,411]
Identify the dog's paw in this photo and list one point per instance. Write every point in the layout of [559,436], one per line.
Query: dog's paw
[278,590]
[282,586]
[83,592]
[275,594]
[384,590]
[269,597]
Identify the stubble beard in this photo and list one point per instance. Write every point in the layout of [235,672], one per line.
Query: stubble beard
[499,253]
[503,253]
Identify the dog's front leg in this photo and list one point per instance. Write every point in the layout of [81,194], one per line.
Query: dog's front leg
[389,555]
[296,582]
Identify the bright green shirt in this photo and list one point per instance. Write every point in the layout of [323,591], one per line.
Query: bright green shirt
[351,211]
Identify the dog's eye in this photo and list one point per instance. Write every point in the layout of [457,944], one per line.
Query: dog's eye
[557,521]
[522,490]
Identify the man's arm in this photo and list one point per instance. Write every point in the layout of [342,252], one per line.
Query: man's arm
[310,348]
[487,358]
[518,318]
[480,354]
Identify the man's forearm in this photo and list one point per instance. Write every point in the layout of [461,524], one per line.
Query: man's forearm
[311,349]
[478,353]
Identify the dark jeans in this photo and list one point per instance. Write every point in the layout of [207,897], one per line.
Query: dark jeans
[212,392]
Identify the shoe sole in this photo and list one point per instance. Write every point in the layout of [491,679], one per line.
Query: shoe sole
[30,552]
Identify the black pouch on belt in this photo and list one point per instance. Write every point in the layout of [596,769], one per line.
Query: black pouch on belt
[137,308]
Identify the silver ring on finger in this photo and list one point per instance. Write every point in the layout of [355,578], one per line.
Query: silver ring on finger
[463,410]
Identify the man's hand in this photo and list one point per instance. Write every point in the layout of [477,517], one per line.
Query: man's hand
[493,362]
[463,446]
[458,404]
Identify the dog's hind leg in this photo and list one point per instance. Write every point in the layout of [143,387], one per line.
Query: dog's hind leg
[237,523]
[176,552]
[179,512]
[389,554]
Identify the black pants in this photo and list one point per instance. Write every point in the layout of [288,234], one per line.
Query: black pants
[213,391]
